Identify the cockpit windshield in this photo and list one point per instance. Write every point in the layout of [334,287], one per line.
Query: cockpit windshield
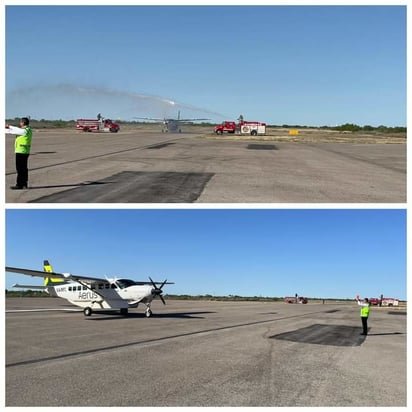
[125,283]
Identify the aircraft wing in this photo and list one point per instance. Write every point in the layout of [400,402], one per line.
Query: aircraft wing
[149,118]
[69,276]
[167,119]
[190,120]
[42,274]
[156,283]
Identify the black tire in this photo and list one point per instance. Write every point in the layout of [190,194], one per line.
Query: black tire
[124,311]
[87,311]
[219,132]
[253,133]
[114,130]
[86,129]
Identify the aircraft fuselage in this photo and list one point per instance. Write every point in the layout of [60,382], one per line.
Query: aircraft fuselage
[108,295]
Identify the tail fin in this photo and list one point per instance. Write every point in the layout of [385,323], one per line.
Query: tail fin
[47,268]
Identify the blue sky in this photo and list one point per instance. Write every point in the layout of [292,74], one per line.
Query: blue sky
[306,65]
[326,253]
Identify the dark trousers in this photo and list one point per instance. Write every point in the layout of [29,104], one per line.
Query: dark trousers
[364,325]
[22,170]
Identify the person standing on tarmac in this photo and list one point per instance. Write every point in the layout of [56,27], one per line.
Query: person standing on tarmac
[22,147]
[364,313]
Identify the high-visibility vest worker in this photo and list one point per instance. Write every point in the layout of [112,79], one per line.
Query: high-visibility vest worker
[22,146]
[364,312]
[22,143]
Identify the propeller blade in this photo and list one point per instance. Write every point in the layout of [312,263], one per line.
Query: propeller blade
[158,291]
[154,284]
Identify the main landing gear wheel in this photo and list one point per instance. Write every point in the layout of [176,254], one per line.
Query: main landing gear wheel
[124,311]
[148,313]
[87,311]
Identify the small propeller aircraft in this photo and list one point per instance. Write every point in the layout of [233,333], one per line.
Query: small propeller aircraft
[171,125]
[91,293]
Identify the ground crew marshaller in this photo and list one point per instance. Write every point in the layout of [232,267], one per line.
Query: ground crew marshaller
[22,147]
[364,313]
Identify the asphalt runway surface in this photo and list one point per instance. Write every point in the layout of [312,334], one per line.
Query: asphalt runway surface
[147,166]
[197,353]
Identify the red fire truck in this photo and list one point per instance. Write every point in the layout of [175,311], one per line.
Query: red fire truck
[244,127]
[252,128]
[226,127]
[390,302]
[97,125]
[294,299]
[384,301]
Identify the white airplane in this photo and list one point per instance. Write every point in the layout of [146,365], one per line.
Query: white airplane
[91,293]
[170,125]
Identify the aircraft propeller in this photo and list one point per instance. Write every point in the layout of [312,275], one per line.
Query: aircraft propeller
[158,291]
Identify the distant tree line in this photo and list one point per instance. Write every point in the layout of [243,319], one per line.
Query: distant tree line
[207,297]
[26,294]
[233,298]
[347,127]
[45,124]
[350,127]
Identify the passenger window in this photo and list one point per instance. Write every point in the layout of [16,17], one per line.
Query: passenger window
[70,288]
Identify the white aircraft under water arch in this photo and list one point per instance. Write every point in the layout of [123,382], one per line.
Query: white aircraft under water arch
[91,293]
[170,125]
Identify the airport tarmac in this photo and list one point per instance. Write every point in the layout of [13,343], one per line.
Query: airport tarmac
[147,166]
[204,353]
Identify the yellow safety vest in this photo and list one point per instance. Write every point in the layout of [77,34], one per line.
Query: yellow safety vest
[23,142]
[364,312]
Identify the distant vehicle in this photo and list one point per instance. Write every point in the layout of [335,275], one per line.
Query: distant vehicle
[170,125]
[384,302]
[293,299]
[91,293]
[390,302]
[252,128]
[97,125]
[226,127]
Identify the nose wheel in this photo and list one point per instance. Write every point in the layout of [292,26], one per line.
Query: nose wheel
[148,313]
[87,311]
